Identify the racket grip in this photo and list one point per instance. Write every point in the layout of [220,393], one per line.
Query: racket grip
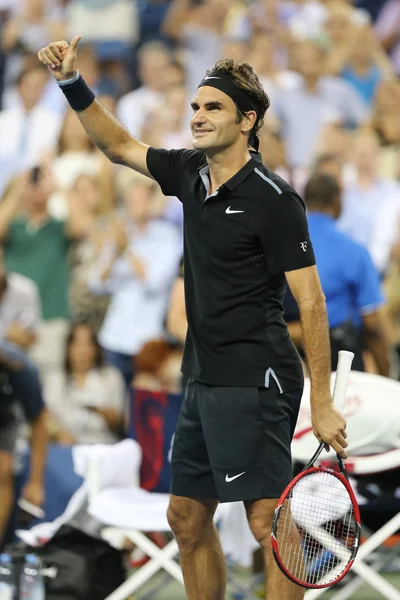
[342,377]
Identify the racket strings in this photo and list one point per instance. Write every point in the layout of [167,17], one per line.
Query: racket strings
[316,529]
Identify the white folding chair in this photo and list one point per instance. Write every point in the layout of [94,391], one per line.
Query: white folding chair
[128,511]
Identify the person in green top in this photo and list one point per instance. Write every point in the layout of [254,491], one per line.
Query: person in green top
[36,245]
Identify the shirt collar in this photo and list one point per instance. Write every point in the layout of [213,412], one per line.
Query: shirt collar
[238,178]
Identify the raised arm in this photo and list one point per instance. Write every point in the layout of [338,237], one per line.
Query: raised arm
[104,130]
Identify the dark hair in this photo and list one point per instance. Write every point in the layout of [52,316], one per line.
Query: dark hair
[245,78]
[321,191]
[98,361]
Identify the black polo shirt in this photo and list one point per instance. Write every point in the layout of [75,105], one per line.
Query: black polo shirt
[238,244]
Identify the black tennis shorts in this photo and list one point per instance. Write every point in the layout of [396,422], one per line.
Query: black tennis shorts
[233,443]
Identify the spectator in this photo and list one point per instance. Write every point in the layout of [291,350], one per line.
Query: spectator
[166,125]
[366,195]
[387,28]
[20,310]
[199,28]
[366,64]
[158,367]
[86,400]
[133,108]
[349,279]
[385,121]
[76,155]
[136,265]
[86,306]
[20,388]
[26,131]
[264,60]
[317,101]
[36,245]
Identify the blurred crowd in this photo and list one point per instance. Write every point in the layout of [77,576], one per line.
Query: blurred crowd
[91,290]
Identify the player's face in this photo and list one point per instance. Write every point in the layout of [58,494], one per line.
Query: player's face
[214,124]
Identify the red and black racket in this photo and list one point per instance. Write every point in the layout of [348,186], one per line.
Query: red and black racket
[316,527]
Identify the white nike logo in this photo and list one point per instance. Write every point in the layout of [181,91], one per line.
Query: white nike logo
[230,212]
[229,479]
[212,77]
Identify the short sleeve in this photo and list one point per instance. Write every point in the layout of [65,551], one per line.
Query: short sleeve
[285,237]
[368,292]
[168,167]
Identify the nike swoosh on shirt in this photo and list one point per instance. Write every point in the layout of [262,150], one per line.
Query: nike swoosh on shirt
[229,479]
[231,212]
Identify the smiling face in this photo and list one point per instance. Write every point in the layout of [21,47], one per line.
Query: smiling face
[215,124]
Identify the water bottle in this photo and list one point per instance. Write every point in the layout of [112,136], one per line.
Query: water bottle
[7,586]
[31,581]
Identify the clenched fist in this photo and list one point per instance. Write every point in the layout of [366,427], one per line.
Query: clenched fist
[61,57]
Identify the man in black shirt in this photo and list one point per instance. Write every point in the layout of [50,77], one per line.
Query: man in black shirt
[246,234]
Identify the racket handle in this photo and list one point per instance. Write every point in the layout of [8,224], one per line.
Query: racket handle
[342,377]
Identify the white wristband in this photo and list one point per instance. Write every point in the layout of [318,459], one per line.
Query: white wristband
[70,80]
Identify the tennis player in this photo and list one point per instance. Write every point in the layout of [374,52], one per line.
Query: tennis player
[246,235]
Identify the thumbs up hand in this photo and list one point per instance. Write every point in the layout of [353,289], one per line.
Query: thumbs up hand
[61,58]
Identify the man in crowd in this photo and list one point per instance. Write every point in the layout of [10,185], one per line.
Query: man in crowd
[349,281]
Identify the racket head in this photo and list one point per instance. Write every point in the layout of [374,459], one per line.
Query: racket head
[321,507]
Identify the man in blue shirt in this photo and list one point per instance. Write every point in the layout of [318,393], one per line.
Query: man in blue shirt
[349,279]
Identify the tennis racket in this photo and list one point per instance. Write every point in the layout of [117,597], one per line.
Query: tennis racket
[316,527]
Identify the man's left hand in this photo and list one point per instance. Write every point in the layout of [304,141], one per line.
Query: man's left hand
[34,493]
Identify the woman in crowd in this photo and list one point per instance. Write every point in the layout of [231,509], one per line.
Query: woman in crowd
[75,156]
[87,401]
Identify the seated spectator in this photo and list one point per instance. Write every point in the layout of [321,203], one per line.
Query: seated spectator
[319,100]
[349,279]
[20,389]
[29,130]
[158,367]
[76,155]
[37,246]
[365,64]
[136,265]
[134,108]
[366,196]
[86,401]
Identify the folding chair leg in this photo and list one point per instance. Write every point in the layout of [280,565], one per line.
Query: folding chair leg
[367,547]
[164,557]
[349,589]
[160,559]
